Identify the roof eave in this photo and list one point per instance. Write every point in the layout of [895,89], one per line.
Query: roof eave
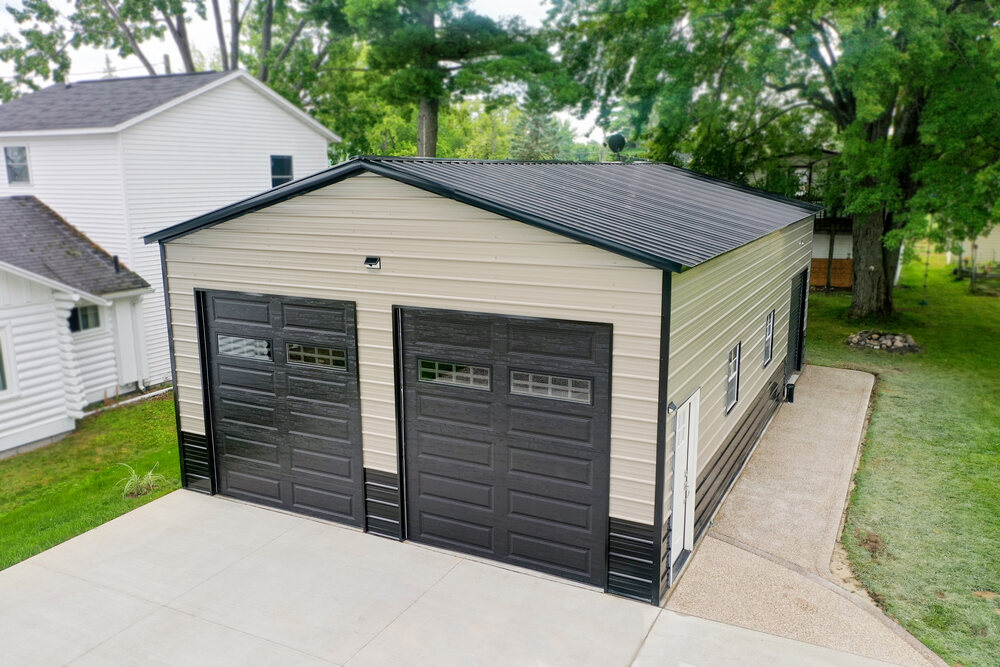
[53,284]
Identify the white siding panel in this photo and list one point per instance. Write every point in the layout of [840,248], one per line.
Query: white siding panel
[37,407]
[724,302]
[435,253]
[206,153]
[988,249]
[94,352]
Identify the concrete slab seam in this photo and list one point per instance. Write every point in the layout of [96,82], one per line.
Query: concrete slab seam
[645,637]
[867,607]
[402,611]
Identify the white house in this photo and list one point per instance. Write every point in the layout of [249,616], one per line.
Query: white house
[70,323]
[121,158]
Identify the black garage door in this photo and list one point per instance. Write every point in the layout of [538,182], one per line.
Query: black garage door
[283,382]
[507,436]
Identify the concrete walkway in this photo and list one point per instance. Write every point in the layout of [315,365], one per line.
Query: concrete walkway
[765,564]
[197,580]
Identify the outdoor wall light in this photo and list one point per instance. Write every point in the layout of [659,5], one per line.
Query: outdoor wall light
[373,262]
[672,408]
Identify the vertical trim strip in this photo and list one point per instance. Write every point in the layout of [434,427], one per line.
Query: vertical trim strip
[397,363]
[661,429]
[173,359]
[201,325]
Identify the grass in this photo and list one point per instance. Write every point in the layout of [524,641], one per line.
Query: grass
[52,494]
[923,525]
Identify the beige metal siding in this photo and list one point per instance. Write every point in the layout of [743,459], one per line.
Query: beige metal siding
[988,247]
[719,304]
[435,253]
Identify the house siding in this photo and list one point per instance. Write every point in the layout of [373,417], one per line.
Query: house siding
[41,404]
[80,178]
[435,253]
[94,352]
[202,154]
[988,249]
[717,305]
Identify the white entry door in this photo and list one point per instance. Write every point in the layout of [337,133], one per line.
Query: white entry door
[685,432]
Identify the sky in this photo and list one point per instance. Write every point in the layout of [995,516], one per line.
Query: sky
[89,63]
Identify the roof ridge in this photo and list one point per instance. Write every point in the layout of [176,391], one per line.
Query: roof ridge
[150,77]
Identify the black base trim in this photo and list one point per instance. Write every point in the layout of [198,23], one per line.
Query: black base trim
[196,463]
[382,512]
[633,568]
[720,473]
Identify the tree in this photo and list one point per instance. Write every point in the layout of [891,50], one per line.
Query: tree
[39,49]
[908,90]
[428,51]
[538,134]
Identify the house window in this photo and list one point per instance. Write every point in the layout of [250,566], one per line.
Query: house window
[281,169]
[16,158]
[83,318]
[4,365]
[733,378]
[768,338]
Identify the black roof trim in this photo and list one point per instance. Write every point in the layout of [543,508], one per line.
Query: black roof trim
[613,234]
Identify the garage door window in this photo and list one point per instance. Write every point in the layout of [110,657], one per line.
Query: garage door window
[316,356]
[460,375]
[577,390]
[248,348]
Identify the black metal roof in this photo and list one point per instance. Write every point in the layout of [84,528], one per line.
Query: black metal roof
[661,215]
[33,237]
[97,103]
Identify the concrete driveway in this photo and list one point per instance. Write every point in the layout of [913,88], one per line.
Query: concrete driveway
[197,580]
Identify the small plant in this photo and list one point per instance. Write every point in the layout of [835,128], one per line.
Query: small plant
[135,485]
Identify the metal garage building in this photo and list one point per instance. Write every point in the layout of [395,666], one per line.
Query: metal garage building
[560,366]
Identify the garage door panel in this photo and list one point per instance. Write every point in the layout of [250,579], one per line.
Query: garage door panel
[568,560]
[240,311]
[247,448]
[452,450]
[456,533]
[522,458]
[562,342]
[550,425]
[286,429]
[322,320]
[331,466]
[544,509]
[548,468]
[454,410]
[451,490]
[323,502]
[252,484]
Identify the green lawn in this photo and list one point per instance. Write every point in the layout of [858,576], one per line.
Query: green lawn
[923,526]
[52,494]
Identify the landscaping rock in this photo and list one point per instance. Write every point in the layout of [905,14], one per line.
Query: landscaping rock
[881,340]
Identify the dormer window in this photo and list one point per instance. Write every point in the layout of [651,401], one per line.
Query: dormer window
[281,169]
[16,158]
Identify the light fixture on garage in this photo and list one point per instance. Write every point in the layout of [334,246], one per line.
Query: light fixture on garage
[373,262]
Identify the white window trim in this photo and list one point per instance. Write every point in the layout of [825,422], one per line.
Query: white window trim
[9,370]
[768,338]
[93,332]
[735,375]
[27,160]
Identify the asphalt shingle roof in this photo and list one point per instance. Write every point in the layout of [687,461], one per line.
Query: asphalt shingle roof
[661,215]
[33,237]
[98,103]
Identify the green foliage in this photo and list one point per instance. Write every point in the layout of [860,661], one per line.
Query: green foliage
[927,481]
[52,494]
[135,485]
[907,90]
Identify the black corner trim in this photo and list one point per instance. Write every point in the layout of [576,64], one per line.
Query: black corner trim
[196,463]
[633,561]
[659,520]
[382,507]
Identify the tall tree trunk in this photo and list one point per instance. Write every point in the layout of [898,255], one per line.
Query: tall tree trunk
[130,37]
[220,34]
[178,31]
[427,127]
[265,39]
[874,266]
[234,34]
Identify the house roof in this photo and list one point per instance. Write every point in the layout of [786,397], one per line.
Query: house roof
[661,215]
[104,105]
[98,103]
[35,239]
